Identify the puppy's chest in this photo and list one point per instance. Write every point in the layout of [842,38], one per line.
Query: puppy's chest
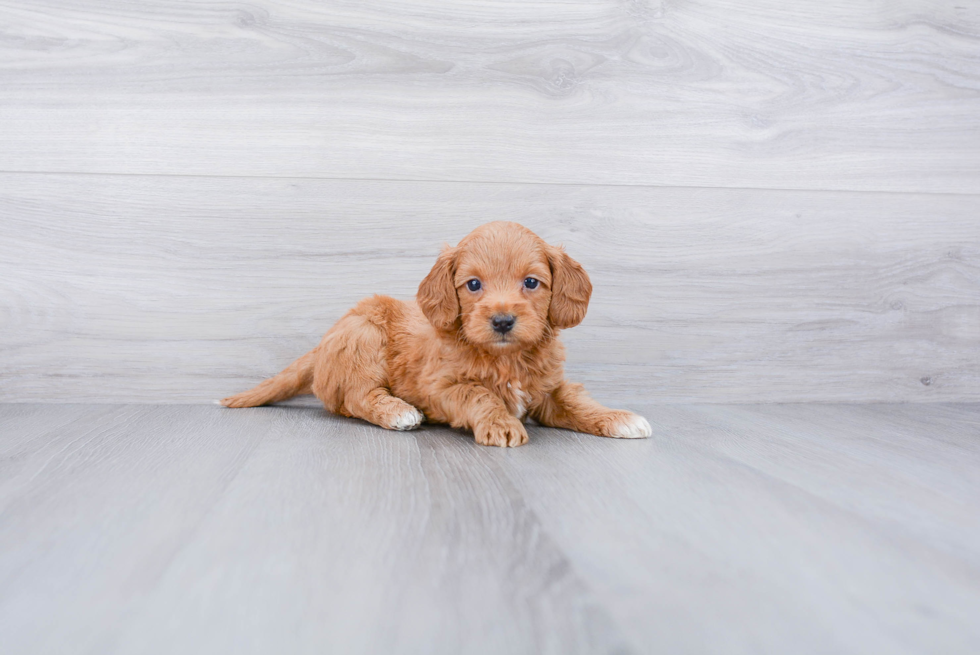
[515,396]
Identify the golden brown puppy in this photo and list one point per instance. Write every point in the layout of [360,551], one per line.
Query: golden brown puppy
[478,349]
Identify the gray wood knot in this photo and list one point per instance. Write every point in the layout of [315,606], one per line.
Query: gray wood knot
[927,380]
[245,19]
[563,77]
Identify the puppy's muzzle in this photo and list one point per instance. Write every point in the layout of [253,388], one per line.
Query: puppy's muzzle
[503,323]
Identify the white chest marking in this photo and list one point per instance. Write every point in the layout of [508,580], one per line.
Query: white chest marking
[521,399]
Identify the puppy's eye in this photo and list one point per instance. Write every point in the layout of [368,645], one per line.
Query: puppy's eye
[530,283]
[473,285]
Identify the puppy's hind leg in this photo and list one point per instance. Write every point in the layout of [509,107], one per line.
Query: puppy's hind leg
[378,406]
[351,375]
[570,407]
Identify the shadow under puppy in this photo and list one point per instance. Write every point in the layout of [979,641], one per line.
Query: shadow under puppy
[478,349]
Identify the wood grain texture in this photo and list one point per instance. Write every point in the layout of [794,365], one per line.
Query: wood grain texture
[763,529]
[829,95]
[280,530]
[167,289]
[889,474]
[785,528]
[92,516]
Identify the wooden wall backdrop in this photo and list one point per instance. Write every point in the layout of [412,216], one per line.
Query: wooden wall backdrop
[776,201]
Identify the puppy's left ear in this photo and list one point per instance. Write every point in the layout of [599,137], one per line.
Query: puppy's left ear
[437,292]
[570,290]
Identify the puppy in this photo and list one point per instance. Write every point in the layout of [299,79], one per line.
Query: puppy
[478,349]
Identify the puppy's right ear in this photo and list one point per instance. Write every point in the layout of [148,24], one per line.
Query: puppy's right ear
[437,292]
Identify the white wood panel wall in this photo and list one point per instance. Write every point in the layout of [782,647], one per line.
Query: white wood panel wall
[838,94]
[185,288]
[776,201]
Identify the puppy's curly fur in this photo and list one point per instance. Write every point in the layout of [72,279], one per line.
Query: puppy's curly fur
[478,349]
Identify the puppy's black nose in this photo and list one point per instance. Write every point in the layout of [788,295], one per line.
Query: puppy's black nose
[503,323]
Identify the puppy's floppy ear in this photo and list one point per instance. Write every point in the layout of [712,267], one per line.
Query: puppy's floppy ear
[570,290]
[437,292]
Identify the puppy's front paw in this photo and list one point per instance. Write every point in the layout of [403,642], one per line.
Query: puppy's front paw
[407,420]
[501,433]
[635,427]
[623,425]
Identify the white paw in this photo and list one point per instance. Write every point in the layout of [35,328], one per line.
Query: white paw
[408,421]
[636,427]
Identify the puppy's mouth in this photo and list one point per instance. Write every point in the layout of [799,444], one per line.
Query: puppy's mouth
[502,340]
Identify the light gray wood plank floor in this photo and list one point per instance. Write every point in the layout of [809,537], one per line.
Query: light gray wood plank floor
[735,529]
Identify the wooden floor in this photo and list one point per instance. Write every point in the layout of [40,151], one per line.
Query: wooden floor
[736,529]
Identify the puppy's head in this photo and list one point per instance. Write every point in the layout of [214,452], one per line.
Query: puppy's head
[503,288]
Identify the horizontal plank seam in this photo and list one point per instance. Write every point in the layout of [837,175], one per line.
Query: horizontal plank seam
[679,403]
[497,182]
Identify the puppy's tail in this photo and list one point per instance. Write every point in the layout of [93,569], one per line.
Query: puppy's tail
[296,379]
